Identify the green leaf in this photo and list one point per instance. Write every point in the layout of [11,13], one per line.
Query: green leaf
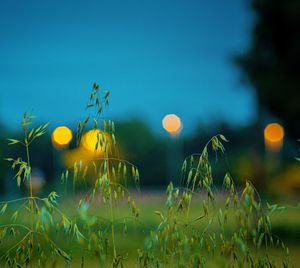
[19,181]
[184,165]
[133,171]
[52,197]
[40,134]
[189,177]
[159,214]
[13,141]
[260,239]
[124,170]
[63,254]
[45,126]
[9,159]
[30,134]
[223,138]
[113,138]
[12,231]
[77,233]
[14,216]
[106,94]
[3,209]
[95,86]
[201,243]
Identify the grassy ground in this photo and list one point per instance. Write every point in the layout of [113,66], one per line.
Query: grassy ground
[286,225]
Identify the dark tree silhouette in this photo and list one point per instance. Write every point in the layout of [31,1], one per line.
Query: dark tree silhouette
[272,63]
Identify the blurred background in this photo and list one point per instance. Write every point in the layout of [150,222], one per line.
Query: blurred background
[228,67]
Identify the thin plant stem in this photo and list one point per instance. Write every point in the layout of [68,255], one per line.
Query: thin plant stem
[112,225]
[31,196]
[111,213]
[190,201]
[20,242]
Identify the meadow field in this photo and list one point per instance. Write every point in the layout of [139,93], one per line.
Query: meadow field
[131,232]
[97,216]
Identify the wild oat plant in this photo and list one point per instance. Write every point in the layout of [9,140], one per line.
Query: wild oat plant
[110,175]
[26,235]
[235,232]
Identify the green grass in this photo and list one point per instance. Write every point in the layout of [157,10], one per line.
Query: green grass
[286,224]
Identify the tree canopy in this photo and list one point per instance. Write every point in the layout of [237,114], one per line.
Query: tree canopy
[272,62]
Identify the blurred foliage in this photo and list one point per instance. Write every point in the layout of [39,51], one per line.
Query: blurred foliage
[245,157]
[272,62]
[291,179]
[143,148]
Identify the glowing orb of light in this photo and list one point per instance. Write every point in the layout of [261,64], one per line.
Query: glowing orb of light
[274,134]
[95,141]
[61,136]
[172,124]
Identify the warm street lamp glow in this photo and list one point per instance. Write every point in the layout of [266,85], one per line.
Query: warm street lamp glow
[172,124]
[61,136]
[87,152]
[91,138]
[273,134]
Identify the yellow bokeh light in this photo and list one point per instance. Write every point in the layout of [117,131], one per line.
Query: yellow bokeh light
[61,136]
[87,152]
[274,134]
[172,124]
[91,138]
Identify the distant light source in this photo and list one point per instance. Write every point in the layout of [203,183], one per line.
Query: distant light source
[274,134]
[61,136]
[94,141]
[172,124]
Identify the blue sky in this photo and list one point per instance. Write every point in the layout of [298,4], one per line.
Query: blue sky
[156,57]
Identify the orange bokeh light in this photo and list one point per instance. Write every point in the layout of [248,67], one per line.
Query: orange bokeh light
[61,136]
[274,134]
[172,124]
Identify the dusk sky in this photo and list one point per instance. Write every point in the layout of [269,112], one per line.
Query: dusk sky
[155,57]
